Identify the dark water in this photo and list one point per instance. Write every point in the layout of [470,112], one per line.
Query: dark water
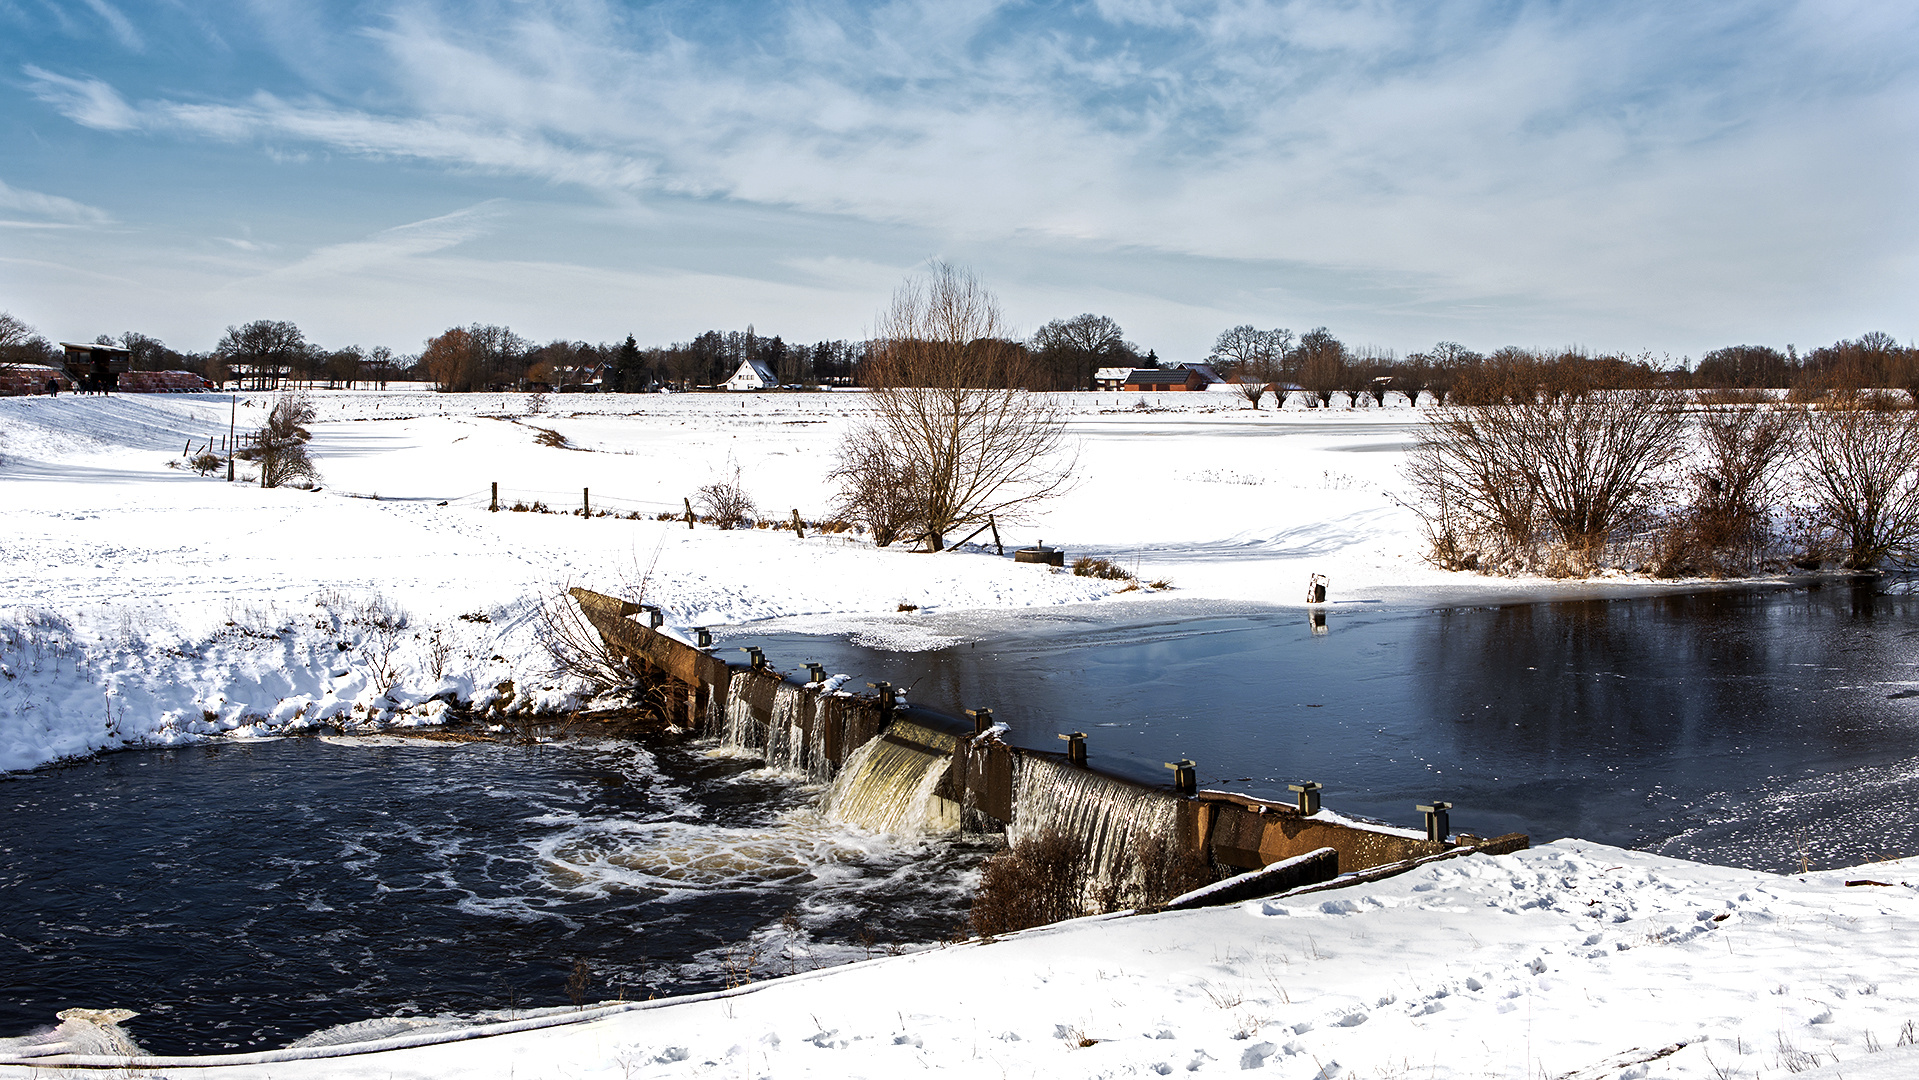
[243,895]
[1731,726]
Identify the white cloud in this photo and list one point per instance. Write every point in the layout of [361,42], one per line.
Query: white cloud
[398,243]
[50,209]
[88,102]
[118,24]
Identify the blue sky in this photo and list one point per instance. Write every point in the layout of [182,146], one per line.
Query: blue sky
[1626,176]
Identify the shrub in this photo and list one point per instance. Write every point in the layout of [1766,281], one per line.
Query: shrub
[1861,470]
[878,486]
[1086,566]
[1032,883]
[280,445]
[725,503]
[1726,528]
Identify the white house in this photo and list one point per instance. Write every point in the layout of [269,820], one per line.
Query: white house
[753,375]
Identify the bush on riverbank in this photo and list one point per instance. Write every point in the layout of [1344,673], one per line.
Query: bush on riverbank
[1580,480]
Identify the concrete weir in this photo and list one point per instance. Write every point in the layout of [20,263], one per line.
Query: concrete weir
[898,767]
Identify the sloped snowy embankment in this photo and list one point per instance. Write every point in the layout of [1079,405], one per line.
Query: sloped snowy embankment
[1570,960]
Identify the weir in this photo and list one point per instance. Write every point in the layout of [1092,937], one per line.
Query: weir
[899,768]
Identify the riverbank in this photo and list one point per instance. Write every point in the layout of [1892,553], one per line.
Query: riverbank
[1569,960]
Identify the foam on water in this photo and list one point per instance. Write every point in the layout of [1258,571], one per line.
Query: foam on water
[361,881]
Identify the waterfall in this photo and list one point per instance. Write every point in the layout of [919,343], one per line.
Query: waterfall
[890,784]
[1117,824]
[740,729]
[789,745]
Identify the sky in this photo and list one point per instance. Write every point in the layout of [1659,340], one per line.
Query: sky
[1657,177]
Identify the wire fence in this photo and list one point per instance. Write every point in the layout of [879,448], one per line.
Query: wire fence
[584,502]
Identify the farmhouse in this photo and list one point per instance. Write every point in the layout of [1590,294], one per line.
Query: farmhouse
[1185,377]
[753,375]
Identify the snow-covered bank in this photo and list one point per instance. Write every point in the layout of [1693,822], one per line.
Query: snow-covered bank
[1570,960]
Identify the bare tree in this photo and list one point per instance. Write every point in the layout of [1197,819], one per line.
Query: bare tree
[1443,366]
[1251,358]
[263,352]
[1500,482]
[1739,480]
[1861,468]
[14,331]
[1321,358]
[19,344]
[1072,350]
[1745,448]
[945,376]
[451,361]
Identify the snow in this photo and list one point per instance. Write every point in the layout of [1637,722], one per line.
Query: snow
[146,605]
[1571,959]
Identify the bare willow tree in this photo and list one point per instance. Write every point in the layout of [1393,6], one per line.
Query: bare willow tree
[1544,478]
[945,376]
[1739,479]
[1861,468]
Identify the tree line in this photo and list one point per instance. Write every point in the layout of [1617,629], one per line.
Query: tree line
[1315,368]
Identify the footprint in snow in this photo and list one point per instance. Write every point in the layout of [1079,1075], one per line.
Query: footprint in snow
[1254,1056]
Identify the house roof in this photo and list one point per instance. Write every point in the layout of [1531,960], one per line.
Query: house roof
[1166,376]
[1205,372]
[759,370]
[1112,373]
[95,348]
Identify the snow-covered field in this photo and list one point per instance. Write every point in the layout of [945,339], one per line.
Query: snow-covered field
[145,604]
[1570,960]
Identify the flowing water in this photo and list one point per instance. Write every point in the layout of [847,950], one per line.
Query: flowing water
[1118,824]
[887,785]
[241,896]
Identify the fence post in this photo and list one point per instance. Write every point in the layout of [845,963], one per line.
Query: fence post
[797,530]
[495,505]
[586,502]
[689,512]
